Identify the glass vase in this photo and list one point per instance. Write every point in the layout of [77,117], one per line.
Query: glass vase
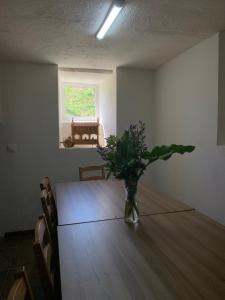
[131,214]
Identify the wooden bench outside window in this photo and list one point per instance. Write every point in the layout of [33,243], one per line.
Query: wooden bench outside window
[85,133]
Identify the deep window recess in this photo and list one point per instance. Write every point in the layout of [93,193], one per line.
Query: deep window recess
[79,115]
[87,107]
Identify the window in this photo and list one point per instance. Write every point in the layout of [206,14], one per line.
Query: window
[80,102]
[86,99]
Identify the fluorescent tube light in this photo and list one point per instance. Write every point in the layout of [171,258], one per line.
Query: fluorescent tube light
[110,18]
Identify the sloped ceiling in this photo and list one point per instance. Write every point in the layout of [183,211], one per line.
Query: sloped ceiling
[146,34]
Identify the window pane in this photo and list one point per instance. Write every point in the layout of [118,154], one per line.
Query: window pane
[80,101]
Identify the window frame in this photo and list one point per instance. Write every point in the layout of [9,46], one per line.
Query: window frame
[68,119]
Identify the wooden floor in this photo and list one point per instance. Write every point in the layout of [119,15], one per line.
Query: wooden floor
[179,256]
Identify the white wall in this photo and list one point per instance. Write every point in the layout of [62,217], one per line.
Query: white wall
[30,103]
[1,96]
[3,176]
[185,112]
[221,91]
[134,102]
[107,105]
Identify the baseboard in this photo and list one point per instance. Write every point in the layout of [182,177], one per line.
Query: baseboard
[18,233]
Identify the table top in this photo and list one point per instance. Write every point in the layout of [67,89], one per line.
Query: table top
[86,201]
[164,257]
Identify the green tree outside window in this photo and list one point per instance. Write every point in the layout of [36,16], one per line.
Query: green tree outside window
[80,101]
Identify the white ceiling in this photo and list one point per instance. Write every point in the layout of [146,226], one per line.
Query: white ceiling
[146,34]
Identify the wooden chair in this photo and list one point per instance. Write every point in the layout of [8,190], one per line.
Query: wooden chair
[88,169]
[43,251]
[50,212]
[21,289]
[45,184]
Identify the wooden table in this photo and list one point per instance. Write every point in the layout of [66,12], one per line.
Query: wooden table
[165,257]
[87,201]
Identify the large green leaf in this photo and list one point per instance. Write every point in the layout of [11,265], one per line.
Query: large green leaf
[165,152]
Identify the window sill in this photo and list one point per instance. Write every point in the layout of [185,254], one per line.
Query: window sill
[78,147]
[79,121]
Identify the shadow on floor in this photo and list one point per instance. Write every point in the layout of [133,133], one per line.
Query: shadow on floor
[16,251]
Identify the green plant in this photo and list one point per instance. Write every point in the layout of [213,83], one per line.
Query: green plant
[127,157]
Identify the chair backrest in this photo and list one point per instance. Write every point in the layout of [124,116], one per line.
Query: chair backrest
[50,212]
[21,289]
[46,185]
[43,251]
[91,169]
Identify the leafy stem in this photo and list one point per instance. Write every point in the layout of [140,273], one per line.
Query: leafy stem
[127,157]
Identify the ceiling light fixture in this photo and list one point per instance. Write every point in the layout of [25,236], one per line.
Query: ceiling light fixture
[110,18]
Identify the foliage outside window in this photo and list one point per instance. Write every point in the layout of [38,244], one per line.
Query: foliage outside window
[80,102]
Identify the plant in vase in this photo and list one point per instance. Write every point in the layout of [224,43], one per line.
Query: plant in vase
[127,157]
